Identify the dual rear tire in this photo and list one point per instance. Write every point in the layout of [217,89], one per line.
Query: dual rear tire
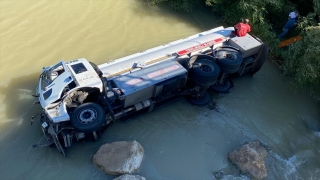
[229,59]
[204,72]
[222,87]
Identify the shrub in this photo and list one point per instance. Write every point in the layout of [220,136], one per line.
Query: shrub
[302,60]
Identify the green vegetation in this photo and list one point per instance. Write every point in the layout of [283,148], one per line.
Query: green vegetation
[300,60]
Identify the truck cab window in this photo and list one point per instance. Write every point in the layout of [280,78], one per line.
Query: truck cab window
[79,68]
[51,74]
[55,71]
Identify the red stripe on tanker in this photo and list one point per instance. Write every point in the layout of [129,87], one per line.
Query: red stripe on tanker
[163,71]
[200,46]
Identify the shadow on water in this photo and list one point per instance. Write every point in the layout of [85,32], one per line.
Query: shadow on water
[17,110]
[17,95]
[201,17]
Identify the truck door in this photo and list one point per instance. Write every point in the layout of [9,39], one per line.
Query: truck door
[52,82]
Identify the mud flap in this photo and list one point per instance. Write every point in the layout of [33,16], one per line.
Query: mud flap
[261,58]
[56,140]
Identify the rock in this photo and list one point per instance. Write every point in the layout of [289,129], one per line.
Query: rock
[123,157]
[250,159]
[129,177]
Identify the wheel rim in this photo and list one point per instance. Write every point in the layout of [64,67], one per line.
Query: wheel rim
[87,116]
[206,68]
[226,55]
[230,56]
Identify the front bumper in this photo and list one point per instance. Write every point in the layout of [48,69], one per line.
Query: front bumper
[50,134]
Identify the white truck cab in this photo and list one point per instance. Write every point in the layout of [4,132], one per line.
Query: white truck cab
[58,81]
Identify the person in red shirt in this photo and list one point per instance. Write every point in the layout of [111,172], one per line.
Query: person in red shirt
[242,28]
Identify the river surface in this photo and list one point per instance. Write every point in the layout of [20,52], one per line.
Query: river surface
[181,141]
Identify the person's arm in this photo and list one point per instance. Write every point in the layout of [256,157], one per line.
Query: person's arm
[296,21]
[235,26]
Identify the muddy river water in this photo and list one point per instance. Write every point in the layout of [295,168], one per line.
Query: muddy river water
[181,141]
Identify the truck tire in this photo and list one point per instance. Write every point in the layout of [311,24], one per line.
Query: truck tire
[222,88]
[200,101]
[229,59]
[262,56]
[205,72]
[96,68]
[88,117]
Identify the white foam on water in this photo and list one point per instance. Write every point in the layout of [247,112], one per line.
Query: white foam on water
[280,168]
[231,177]
[287,168]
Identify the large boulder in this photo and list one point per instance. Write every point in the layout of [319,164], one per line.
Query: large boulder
[129,177]
[123,157]
[250,159]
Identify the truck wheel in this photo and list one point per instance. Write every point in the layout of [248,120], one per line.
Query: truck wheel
[229,59]
[96,68]
[204,100]
[88,117]
[262,56]
[205,72]
[222,88]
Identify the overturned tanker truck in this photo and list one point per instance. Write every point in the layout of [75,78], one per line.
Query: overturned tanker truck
[79,98]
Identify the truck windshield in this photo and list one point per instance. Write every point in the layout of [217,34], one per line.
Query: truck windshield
[51,74]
